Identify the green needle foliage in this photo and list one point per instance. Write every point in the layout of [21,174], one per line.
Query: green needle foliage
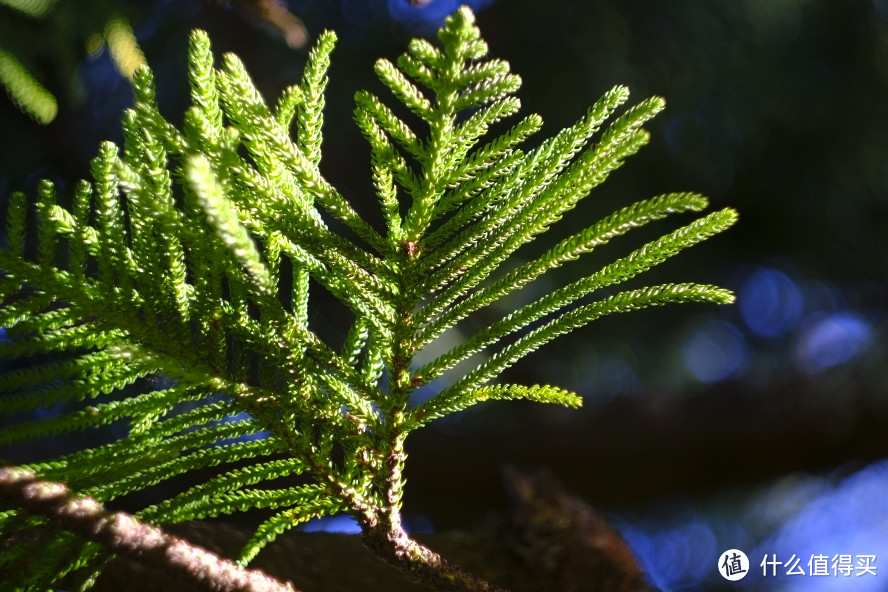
[172,299]
[25,91]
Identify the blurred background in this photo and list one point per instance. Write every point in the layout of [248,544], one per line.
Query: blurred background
[759,426]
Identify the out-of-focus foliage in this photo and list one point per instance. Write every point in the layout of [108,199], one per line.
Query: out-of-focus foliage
[124,48]
[58,27]
[32,8]
[25,91]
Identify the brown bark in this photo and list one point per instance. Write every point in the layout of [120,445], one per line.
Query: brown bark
[548,540]
[421,563]
[128,537]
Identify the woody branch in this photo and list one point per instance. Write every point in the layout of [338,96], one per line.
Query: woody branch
[122,534]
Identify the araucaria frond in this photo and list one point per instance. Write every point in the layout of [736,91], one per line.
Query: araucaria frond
[171,301]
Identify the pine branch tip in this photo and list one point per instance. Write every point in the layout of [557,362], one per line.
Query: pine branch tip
[327,36]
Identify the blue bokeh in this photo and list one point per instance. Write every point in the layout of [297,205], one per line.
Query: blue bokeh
[716,351]
[828,340]
[770,303]
[341,524]
[849,518]
[801,515]
[425,17]
[345,524]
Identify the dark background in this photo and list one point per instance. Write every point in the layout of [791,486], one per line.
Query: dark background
[758,426]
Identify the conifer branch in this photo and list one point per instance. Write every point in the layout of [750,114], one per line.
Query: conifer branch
[179,310]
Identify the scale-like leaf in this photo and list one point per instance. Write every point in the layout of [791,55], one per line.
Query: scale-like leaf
[175,299]
[440,406]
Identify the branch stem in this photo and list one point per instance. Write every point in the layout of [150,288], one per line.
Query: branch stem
[395,547]
[122,534]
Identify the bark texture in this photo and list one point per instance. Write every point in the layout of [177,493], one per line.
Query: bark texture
[126,536]
[548,541]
